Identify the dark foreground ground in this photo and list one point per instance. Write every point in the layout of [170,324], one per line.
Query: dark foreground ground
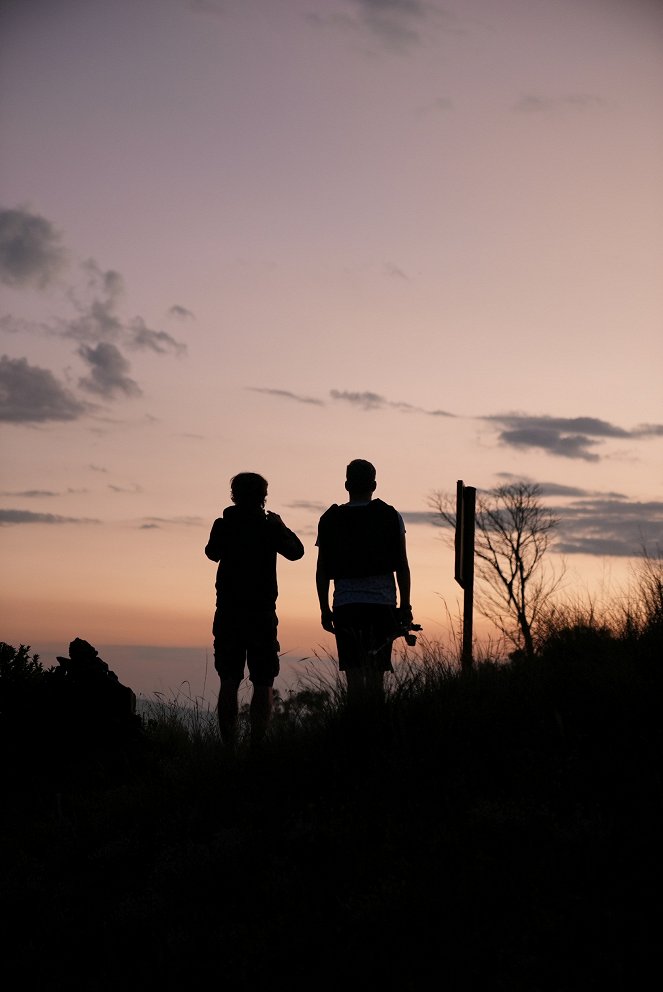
[501,832]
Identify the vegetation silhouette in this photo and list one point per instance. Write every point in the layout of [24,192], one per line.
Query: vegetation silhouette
[499,827]
[513,533]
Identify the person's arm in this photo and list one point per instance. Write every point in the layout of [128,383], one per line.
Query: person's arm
[404,583]
[213,546]
[322,581]
[287,542]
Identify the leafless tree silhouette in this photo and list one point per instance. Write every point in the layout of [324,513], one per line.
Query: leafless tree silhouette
[513,532]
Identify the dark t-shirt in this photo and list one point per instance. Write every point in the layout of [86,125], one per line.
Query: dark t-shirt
[245,542]
[360,540]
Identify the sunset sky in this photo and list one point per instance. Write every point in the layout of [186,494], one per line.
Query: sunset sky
[276,235]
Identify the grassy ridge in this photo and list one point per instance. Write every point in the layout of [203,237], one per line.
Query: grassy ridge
[498,829]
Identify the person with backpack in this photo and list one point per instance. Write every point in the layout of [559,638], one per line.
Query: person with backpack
[362,550]
[245,541]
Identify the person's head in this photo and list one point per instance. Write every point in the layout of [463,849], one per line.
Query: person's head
[360,477]
[248,489]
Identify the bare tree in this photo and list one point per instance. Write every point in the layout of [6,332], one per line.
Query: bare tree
[513,532]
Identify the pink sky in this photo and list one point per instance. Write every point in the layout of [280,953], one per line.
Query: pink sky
[275,236]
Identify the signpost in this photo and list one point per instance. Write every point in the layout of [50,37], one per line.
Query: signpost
[464,562]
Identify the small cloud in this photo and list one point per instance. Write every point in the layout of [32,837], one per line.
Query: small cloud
[181,313]
[609,527]
[31,493]
[566,437]
[124,489]
[394,271]
[367,400]
[29,394]
[305,504]
[396,24]
[285,394]
[141,337]
[364,400]
[551,441]
[30,250]
[417,517]
[532,104]
[108,371]
[150,522]
[28,517]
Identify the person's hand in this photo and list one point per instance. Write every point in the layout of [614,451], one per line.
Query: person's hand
[327,620]
[405,616]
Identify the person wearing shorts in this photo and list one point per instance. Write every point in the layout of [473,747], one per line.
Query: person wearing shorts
[362,549]
[245,541]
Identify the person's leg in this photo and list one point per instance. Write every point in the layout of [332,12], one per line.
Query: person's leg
[229,654]
[228,711]
[263,661]
[364,685]
[260,712]
[364,650]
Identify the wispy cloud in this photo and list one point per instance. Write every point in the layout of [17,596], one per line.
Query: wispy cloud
[536,104]
[596,523]
[181,313]
[149,523]
[28,517]
[31,255]
[367,400]
[397,25]
[286,394]
[32,395]
[133,489]
[31,252]
[306,504]
[108,371]
[30,493]
[566,437]
[604,526]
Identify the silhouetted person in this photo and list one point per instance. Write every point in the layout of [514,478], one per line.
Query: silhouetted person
[361,547]
[245,541]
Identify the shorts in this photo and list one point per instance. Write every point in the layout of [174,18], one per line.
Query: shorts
[363,636]
[246,639]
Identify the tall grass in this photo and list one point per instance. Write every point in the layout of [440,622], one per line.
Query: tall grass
[498,828]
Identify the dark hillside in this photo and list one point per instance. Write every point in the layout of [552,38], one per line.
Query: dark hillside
[499,830]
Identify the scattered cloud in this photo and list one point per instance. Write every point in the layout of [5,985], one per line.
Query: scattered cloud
[394,272]
[306,504]
[30,395]
[286,394]
[566,437]
[367,400]
[30,493]
[533,104]
[181,313]
[417,517]
[558,490]
[605,526]
[596,523]
[108,371]
[8,517]
[153,522]
[140,336]
[396,24]
[135,488]
[31,253]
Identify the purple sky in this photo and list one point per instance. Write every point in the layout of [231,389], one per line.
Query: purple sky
[275,235]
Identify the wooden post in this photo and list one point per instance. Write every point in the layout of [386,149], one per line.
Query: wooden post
[464,563]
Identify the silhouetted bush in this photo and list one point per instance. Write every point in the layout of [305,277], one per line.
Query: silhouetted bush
[498,828]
